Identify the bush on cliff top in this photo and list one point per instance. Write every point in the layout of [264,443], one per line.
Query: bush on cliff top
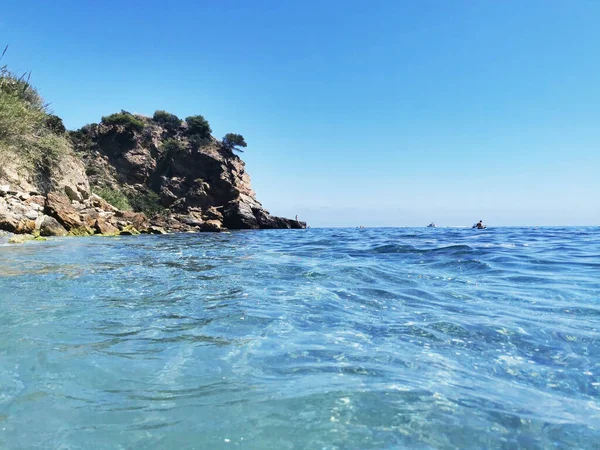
[124,119]
[169,121]
[198,126]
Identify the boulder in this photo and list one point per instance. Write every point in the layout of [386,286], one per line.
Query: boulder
[156,230]
[69,178]
[35,200]
[129,231]
[212,213]
[51,227]
[15,223]
[31,214]
[98,202]
[239,215]
[211,226]
[59,207]
[138,220]
[82,230]
[104,227]
[89,216]
[8,221]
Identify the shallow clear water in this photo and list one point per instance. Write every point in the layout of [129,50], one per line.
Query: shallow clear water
[316,339]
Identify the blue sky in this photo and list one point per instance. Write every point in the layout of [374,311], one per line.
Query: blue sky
[376,113]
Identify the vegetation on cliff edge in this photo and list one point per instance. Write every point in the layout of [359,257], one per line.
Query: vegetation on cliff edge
[29,133]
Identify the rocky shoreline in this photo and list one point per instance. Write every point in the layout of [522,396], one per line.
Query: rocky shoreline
[35,215]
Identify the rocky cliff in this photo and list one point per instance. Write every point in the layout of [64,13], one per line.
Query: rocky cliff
[125,175]
[181,177]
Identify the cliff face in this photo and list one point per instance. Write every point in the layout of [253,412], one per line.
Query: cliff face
[182,182]
[111,179]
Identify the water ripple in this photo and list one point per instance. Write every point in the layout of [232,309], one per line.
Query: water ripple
[331,339]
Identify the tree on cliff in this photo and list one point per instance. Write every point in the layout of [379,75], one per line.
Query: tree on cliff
[198,126]
[232,141]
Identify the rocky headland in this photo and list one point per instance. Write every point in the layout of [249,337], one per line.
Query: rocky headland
[127,174]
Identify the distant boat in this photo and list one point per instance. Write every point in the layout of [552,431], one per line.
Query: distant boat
[432,225]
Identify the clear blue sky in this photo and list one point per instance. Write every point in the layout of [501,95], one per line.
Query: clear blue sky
[386,113]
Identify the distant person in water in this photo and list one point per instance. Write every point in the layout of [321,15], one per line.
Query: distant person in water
[480,225]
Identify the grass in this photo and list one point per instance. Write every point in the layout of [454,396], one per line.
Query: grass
[24,132]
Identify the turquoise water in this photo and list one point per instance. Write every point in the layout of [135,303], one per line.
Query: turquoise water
[303,339]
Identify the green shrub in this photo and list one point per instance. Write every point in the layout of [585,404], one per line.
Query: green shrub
[198,126]
[83,139]
[115,197]
[172,147]
[147,202]
[24,134]
[92,171]
[55,124]
[125,119]
[231,141]
[19,87]
[169,121]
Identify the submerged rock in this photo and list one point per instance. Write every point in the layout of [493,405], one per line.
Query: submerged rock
[156,230]
[20,238]
[129,231]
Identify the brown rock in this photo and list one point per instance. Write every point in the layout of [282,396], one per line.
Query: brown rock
[8,221]
[212,213]
[138,220]
[36,199]
[211,225]
[156,230]
[25,226]
[83,230]
[59,207]
[16,224]
[51,227]
[89,216]
[104,227]
[98,202]
[129,231]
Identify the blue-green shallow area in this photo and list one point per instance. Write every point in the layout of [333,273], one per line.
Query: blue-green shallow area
[304,339]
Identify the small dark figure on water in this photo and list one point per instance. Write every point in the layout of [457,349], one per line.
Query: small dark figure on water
[479,225]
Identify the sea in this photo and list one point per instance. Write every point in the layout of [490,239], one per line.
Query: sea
[376,338]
